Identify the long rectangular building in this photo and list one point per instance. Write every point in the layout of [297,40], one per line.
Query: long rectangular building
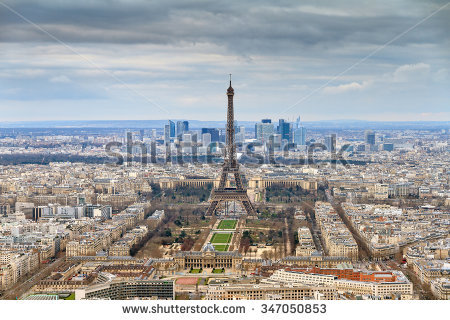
[124,290]
[269,292]
[382,287]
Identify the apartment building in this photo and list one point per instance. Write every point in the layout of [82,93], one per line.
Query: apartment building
[441,288]
[372,284]
[305,245]
[338,240]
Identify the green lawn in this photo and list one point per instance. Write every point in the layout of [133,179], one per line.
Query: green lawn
[217,271]
[221,247]
[195,271]
[221,237]
[227,224]
[71,297]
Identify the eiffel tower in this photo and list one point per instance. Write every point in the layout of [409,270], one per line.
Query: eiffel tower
[230,166]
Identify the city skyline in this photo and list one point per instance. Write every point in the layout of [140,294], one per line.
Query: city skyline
[377,62]
[327,216]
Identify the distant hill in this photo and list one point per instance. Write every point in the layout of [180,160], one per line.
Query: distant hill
[196,124]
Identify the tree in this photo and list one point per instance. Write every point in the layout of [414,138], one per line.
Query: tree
[178,223]
[188,243]
[244,244]
[167,232]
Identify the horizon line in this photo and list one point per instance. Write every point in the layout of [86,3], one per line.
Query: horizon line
[183,119]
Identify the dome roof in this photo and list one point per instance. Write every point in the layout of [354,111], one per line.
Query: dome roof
[208,247]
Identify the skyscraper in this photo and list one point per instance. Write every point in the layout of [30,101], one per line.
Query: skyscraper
[172,129]
[370,137]
[330,142]
[284,129]
[276,141]
[264,130]
[187,137]
[167,134]
[206,139]
[213,132]
[300,136]
[297,123]
[182,127]
[240,134]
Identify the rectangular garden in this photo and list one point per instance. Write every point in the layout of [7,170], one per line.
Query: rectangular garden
[227,224]
[221,237]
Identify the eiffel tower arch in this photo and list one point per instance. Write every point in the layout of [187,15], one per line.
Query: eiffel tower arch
[230,166]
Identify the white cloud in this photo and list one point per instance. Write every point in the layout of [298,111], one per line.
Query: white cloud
[410,72]
[326,11]
[353,86]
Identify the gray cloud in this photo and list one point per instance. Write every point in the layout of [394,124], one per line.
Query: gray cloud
[279,51]
[237,25]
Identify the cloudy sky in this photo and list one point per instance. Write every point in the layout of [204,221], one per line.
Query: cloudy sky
[139,59]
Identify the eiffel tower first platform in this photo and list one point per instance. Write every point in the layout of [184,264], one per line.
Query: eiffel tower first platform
[230,166]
